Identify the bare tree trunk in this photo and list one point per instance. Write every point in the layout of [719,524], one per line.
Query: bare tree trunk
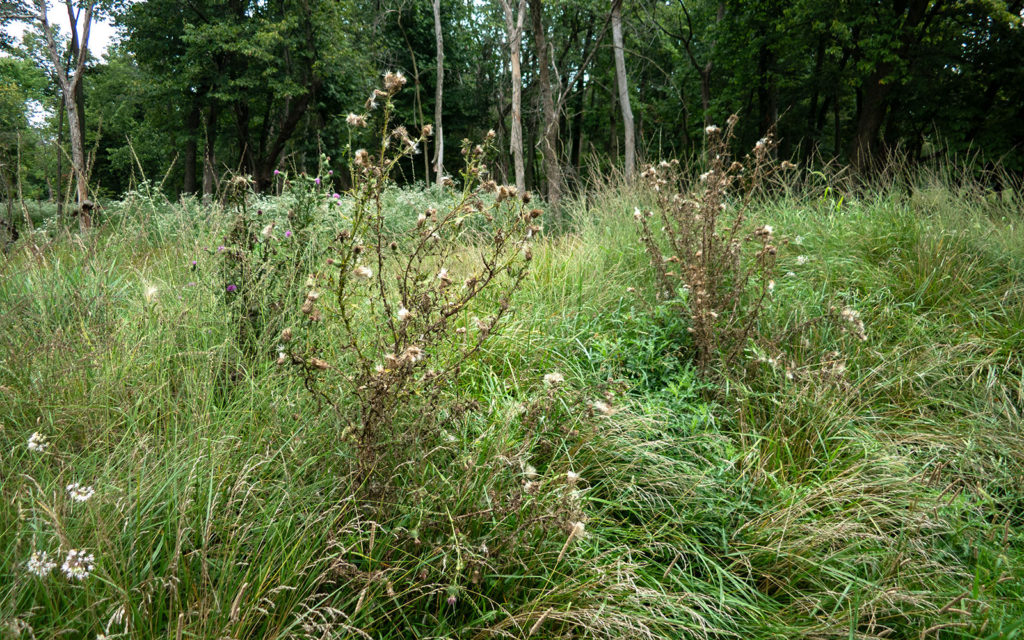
[438,128]
[209,161]
[70,86]
[191,147]
[620,76]
[549,142]
[514,29]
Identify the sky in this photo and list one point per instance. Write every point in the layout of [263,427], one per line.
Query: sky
[101,34]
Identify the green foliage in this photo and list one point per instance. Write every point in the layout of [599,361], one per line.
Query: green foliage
[880,500]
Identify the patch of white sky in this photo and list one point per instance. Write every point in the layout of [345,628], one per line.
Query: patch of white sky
[102,35]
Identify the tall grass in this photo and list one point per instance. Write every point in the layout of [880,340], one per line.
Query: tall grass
[882,502]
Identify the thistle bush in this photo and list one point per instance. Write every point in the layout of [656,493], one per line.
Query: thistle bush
[392,315]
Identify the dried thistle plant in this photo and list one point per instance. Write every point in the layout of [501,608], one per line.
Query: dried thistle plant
[710,259]
[390,317]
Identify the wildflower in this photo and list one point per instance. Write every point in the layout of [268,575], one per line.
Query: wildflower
[355,120]
[762,143]
[711,129]
[276,172]
[790,274]
[420,219]
[150,294]
[707,174]
[362,158]
[637,214]
[363,272]
[79,492]
[531,486]
[404,314]
[268,231]
[427,131]
[413,354]
[490,135]
[531,472]
[572,477]
[282,357]
[193,264]
[288,233]
[442,275]
[220,248]
[394,80]
[37,442]
[452,600]
[78,564]
[40,565]
[553,378]
[852,317]
[316,181]
[232,288]
[798,240]
[771,286]
[579,529]
[603,408]
[801,260]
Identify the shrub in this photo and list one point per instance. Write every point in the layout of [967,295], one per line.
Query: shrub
[389,318]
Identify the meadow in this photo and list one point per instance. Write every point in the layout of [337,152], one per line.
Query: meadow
[588,478]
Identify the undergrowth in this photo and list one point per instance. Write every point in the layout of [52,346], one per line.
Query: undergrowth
[854,489]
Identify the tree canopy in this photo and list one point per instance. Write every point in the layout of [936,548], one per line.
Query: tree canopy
[198,89]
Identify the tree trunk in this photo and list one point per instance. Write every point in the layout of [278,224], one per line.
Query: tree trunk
[70,85]
[549,141]
[438,96]
[514,29]
[620,77]
[209,159]
[191,146]
[870,115]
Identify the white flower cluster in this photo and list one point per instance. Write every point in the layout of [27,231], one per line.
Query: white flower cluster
[80,492]
[78,564]
[40,564]
[37,442]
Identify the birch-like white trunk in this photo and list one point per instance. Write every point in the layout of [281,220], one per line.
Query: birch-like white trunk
[438,96]
[623,85]
[514,29]
[69,86]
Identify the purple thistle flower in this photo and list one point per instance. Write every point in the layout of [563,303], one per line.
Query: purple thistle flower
[337,196]
[330,172]
[193,263]
[232,288]
[317,181]
[220,248]
[276,172]
[288,233]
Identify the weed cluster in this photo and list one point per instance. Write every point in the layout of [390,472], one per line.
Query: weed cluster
[388,319]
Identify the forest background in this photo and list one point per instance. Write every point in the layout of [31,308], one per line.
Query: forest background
[190,92]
